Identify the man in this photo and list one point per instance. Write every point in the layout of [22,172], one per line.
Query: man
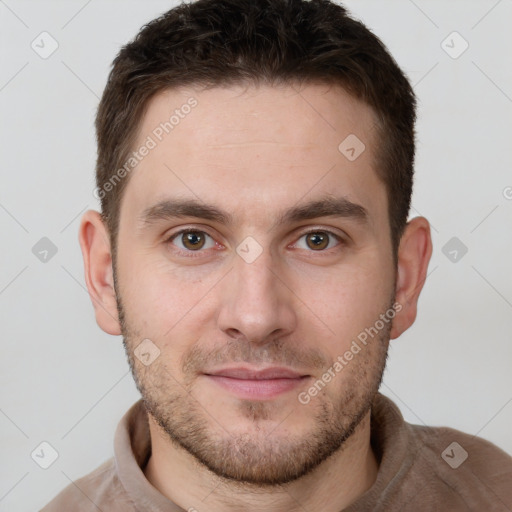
[255,168]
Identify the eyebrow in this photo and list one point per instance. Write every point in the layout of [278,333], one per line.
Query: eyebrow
[174,208]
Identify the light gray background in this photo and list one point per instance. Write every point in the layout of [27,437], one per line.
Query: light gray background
[66,382]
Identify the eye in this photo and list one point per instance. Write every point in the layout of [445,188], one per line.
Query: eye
[192,240]
[319,240]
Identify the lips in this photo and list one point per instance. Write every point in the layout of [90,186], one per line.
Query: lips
[256,384]
[249,374]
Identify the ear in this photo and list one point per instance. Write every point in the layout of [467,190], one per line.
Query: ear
[95,245]
[413,257]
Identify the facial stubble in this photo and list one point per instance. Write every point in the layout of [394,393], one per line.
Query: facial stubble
[265,456]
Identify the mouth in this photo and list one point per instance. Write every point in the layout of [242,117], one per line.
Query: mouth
[257,384]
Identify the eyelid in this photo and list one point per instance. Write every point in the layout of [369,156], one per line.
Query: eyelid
[320,229]
[188,229]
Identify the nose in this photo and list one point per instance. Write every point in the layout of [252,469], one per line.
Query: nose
[257,303]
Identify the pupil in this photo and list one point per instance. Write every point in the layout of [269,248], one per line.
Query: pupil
[317,239]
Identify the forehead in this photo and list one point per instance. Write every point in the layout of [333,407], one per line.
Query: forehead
[253,149]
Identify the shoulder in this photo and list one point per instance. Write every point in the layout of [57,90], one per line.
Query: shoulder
[476,470]
[100,489]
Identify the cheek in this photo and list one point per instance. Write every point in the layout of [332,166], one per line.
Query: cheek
[158,299]
[344,301]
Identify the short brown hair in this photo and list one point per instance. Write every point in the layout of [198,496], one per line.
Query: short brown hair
[227,42]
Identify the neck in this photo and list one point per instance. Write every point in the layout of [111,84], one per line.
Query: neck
[332,486]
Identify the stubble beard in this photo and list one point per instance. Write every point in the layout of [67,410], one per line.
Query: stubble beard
[265,456]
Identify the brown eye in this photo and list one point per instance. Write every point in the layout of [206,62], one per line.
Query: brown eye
[317,240]
[189,243]
[193,240]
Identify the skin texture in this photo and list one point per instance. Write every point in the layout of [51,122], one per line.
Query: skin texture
[256,152]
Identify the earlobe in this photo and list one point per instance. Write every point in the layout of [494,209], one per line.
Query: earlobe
[413,258]
[96,252]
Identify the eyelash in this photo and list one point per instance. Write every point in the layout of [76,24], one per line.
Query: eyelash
[191,254]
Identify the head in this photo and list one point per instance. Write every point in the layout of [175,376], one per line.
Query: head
[280,136]
[231,42]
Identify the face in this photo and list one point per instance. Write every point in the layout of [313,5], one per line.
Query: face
[254,252]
